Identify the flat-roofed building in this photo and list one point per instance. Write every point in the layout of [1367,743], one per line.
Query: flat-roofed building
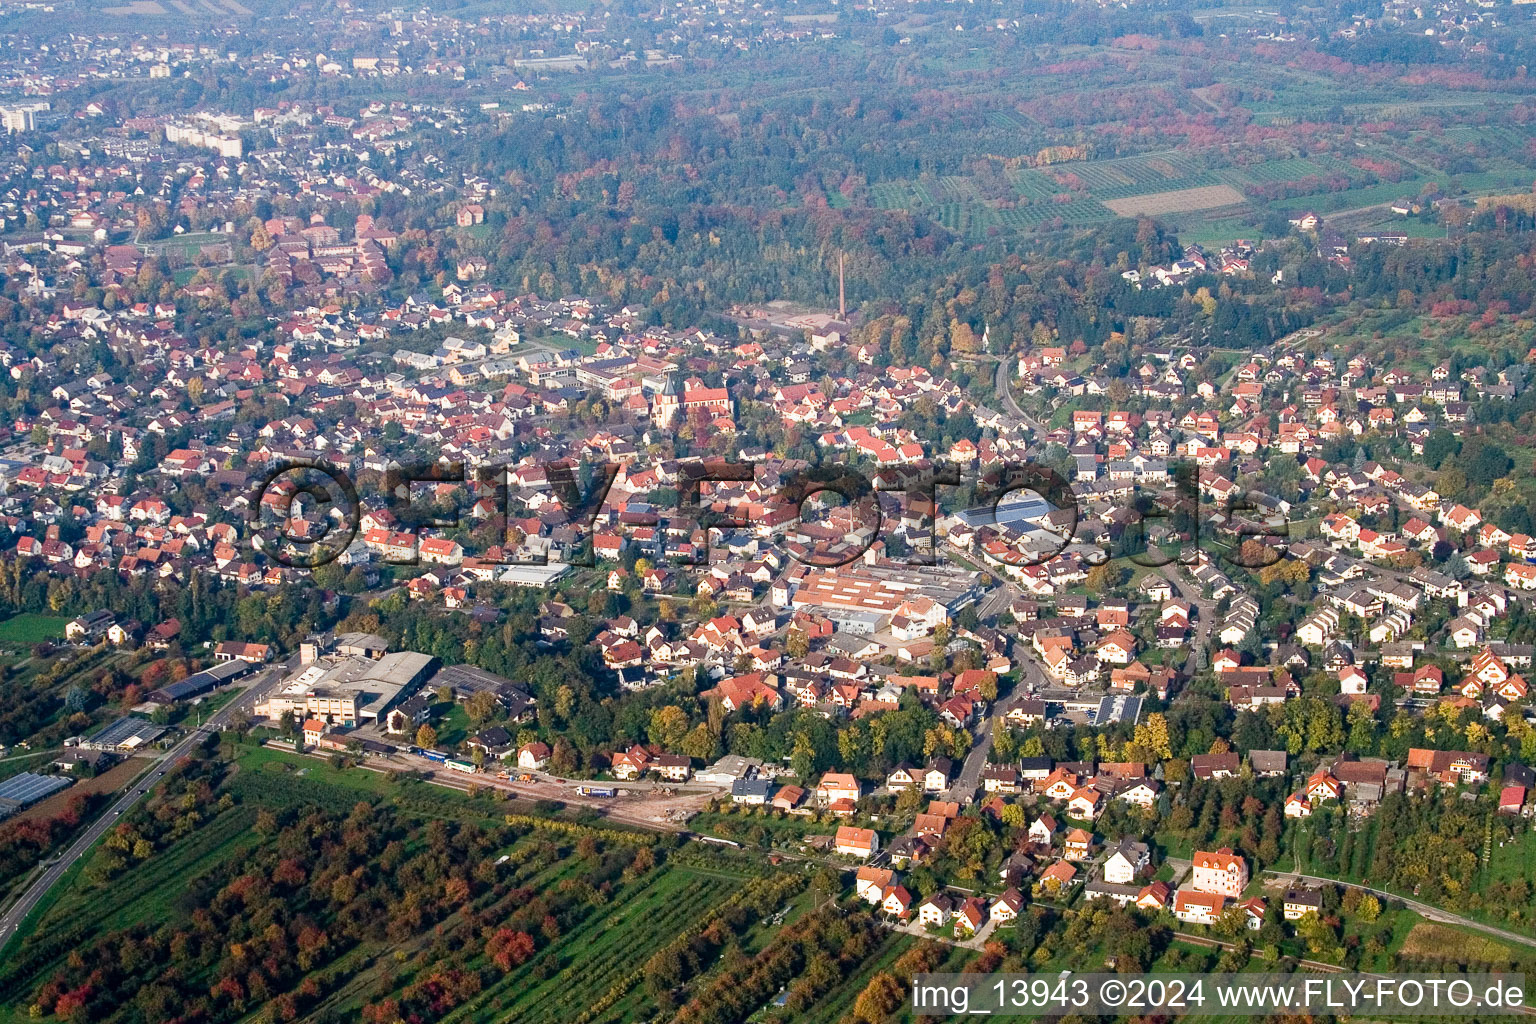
[349,690]
[363,645]
[865,598]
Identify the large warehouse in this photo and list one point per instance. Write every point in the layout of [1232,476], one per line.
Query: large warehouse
[349,690]
[862,598]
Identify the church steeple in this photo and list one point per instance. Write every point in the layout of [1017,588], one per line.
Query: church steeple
[668,404]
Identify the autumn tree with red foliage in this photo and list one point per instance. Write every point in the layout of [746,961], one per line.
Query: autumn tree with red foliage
[509,949]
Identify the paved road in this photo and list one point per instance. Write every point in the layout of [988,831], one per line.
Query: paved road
[1031,681]
[1011,407]
[1424,910]
[1205,615]
[997,600]
[34,893]
[29,754]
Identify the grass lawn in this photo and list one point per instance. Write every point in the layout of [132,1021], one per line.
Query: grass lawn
[269,776]
[453,727]
[1175,846]
[1509,859]
[15,764]
[189,244]
[32,628]
[1219,231]
[1402,920]
[210,705]
[779,831]
[280,776]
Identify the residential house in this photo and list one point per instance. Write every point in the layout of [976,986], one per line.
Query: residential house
[862,843]
[1194,906]
[1221,872]
[1128,860]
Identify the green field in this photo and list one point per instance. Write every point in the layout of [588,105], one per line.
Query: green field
[31,628]
[15,764]
[758,830]
[189,244]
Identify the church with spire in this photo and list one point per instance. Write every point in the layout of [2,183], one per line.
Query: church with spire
[667,406]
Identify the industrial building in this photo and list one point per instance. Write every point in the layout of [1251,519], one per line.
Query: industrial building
[200,683]
[348,690]
[868,598]
[19,792]
[125,735]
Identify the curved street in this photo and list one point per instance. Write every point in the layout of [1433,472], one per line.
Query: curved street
[1005,392]
[1424,910]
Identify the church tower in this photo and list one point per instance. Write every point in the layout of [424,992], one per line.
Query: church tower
[667,406]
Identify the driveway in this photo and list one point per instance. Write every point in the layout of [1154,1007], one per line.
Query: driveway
[916,930]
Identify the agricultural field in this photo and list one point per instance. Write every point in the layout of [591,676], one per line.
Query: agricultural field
[1432,941]
[137,8]
[1074,213]
[1156,204]
[572,978]
[585,968]
[1354,198]
[1215,196]
[198,9]
[113,779]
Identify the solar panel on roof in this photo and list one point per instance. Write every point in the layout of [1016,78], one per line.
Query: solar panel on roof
[124,729]
[29,787]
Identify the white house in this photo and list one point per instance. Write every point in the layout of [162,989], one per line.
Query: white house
[533,757]
[1126,862]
